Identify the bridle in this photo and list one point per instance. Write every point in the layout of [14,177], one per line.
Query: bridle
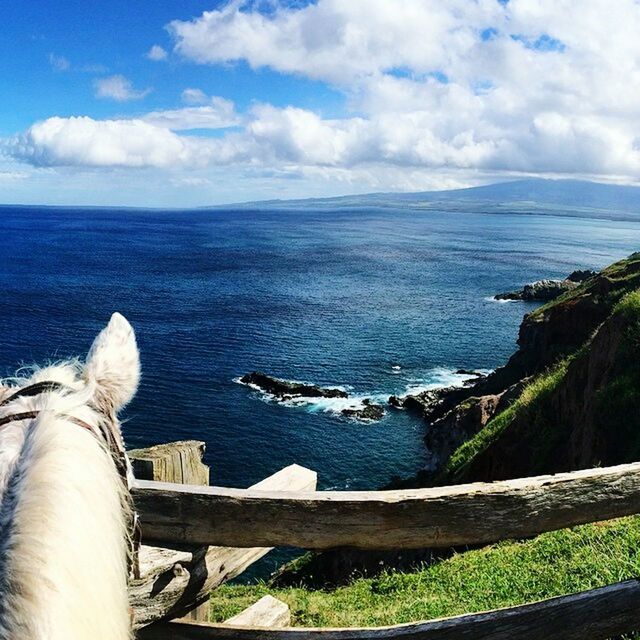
[102,432]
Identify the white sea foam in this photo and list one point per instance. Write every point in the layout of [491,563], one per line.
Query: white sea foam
[322,405]
[438,378]
[492,299]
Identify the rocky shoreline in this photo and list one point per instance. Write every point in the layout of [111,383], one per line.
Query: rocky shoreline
[286,390]
[430,404]
[547,290]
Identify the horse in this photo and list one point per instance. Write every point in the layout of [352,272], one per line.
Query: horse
[65,508]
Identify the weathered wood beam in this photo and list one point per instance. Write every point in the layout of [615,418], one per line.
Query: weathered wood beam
[590,615]
[439,517]
[179,462]
[267,612]
[172,581]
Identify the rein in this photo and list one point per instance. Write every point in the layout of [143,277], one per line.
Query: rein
[101,432]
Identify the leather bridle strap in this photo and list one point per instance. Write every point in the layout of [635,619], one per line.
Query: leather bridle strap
[36,389]
[16,417]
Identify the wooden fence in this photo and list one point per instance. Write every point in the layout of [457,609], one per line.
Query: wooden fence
[218,532]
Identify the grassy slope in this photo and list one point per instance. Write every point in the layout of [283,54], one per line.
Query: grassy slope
[623,276]
[530,404]
[506,574]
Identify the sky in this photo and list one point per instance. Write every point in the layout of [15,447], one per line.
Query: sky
[184,103]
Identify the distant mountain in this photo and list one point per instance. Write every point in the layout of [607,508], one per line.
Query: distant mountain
[550,196]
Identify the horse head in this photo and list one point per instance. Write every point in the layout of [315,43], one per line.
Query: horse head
[65,510]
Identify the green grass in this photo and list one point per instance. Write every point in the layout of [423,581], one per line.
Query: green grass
[629,306]
[527,405]
[506,574]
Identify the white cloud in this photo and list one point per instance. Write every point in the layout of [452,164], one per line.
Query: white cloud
[218,114]
[194,96]
[528,85]
[156,53]
[85,142]
[58,63]
[336,40]
[434,90]
[118,88]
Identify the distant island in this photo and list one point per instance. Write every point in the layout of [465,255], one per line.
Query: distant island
[553,197]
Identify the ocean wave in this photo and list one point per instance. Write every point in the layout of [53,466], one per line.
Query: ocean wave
[438,378]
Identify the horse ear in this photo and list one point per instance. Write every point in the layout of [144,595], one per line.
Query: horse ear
[113,364]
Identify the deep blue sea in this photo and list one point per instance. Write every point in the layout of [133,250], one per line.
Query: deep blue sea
[331,297]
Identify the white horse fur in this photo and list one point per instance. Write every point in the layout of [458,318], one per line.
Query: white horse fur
[63,507]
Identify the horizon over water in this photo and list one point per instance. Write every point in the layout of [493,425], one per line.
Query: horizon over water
[337,298]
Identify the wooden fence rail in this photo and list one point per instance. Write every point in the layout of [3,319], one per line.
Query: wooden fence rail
[437,517]
[173,581]
[591,615]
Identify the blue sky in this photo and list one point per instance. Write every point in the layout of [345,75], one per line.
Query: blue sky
[198,102]
[101,39]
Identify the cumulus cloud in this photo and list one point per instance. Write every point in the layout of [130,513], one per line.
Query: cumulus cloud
[335,40]
[118,88]
[156,53]
[83,141]
[527,85]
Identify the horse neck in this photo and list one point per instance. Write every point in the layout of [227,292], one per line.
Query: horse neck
[63,568]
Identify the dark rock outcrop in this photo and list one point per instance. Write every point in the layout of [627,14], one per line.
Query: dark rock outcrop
[284,389]
[369,411]
[542,290]
[546,290]
[580,275]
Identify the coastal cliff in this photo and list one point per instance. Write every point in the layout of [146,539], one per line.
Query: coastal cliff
[567,399]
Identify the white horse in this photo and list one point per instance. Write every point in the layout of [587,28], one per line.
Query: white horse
[64,506]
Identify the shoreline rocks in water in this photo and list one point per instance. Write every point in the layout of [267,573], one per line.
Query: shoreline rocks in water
[370,411]
[546,290]
[284,390]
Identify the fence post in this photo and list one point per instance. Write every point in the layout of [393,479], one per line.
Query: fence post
[179,462]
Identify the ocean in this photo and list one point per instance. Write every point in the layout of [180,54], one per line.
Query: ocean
[378,302]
